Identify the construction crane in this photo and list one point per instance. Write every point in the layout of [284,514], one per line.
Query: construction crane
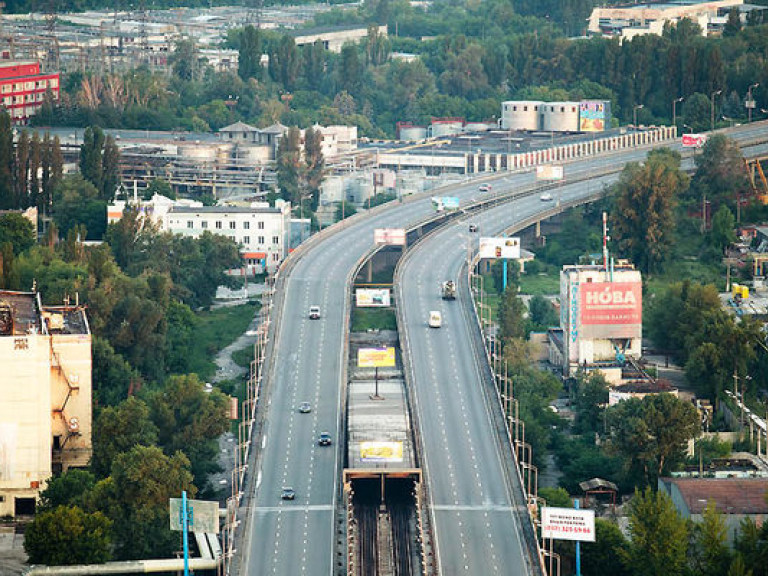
[757,179]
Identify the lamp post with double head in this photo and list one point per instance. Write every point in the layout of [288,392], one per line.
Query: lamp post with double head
[634,112]
[712,109]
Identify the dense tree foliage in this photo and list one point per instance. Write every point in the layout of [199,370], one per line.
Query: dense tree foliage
[68,535]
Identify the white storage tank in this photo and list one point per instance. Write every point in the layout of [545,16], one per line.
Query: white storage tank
[520,115]
[477,127]
[447,126]
[198,151]
[560,116]
[412,133]
[251,155]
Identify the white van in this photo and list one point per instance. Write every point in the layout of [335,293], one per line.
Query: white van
[435,319]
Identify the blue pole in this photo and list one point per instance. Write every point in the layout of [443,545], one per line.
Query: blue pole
[505,276]
[578,544]
[184,528]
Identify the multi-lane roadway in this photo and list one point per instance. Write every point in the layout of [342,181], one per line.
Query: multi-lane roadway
[297,537]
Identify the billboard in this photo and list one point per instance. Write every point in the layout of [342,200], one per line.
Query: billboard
[549,172]
[442,203]
[389,236]
[494,248]
[568,524]
[381,451]
[372,297]
[694,140]
[611,309]
[203,515]
[594,116]
[376,357]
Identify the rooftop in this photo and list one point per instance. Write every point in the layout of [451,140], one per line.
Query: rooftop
[224,210]
[731,495]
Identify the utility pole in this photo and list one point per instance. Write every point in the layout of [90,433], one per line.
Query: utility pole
[712,109]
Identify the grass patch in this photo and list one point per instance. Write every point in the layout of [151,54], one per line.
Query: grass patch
[364,319]
[540,285]
[215,330]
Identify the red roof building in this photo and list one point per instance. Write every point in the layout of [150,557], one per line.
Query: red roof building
[23,87]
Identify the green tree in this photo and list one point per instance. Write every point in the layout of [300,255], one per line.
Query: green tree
[35,165]
[606,554]
[182,324]
[289,166]
[91,165]
[161,187]
[185,60]
[512,313]
[17,230]
[659,536]
[189,419]
[249,54]
[76,202]
[6,162]
[644,220]
[591,402]
[733,24]
[723,234]
[117,430]
[350,71]
[110,168]
[720,176]
[696,111]
[345,210]
[67,535]
[136,496]
[66,489]
[113,377]
[314,164]
[711,555]
[557,497]
[285,62]
[542,313]
[21,171]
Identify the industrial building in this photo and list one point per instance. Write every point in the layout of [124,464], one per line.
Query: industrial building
[23,88]
[262,232]
[650,18]
[601,314]
[537,116]
[45,396]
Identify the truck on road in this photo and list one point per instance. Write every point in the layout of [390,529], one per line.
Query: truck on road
[448,290]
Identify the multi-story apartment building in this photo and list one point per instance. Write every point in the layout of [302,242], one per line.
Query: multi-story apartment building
[262,232]
[45,396]
[23,87]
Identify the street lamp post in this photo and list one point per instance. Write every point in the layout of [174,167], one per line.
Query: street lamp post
[634,112]
[674,109]
[750,104]
[712,109]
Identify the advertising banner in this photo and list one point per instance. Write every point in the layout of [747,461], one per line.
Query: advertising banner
[694,140]
[389,236]
[504,248]
[443,203]
[376,357]
[381,451]
[592,116]
[568,524]
[372,297]
[549,172]
[611,309]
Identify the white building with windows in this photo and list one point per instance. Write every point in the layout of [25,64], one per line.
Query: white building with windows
[262,232]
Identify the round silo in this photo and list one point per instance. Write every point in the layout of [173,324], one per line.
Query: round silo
[520,115]
[560,117]
[413,133]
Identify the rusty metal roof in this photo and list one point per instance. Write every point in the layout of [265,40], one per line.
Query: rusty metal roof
[731,495]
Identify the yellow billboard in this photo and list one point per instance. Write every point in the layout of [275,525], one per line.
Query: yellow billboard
[381,451]
[376,358]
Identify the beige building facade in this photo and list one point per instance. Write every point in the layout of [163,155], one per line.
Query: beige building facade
[45,396]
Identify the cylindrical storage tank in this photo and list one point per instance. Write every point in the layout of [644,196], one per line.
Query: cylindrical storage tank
[252,155]
[560,117]
[413,133]
[447,128]
[476,127]
[520,115]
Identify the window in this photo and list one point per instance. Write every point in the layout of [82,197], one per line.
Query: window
[246,239]
[261,239]
[218,224]
[246,225]
[525,108]
[54,82]
[261,225]
[204,224]
[275,239]
[190,224]
[232,225]
[275,257]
